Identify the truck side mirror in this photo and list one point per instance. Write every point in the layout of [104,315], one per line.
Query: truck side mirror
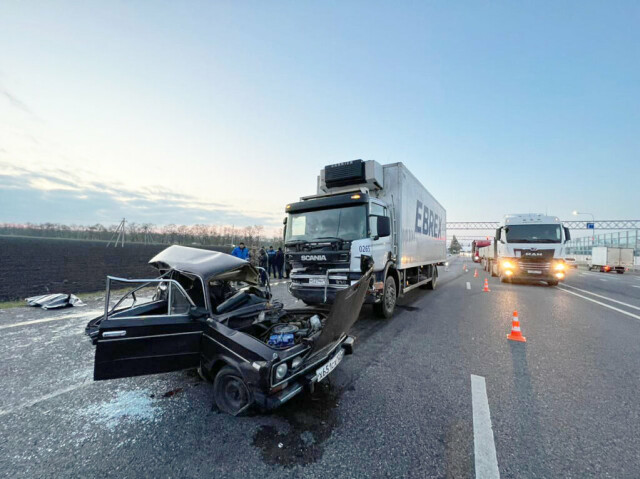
[567,235]
[366,263]
[383,226]
[498,230]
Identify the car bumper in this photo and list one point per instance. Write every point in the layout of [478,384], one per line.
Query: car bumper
[315,295]
[304,382]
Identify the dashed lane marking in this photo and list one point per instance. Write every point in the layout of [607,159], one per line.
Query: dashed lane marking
[468,285]
[484,447]
[635,286]
[601,304]
[602,279]
[87,314]
[603,297]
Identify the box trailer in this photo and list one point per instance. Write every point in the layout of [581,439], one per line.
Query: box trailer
[607,258]
[365,209]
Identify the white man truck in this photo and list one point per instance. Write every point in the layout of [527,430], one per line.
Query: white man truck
[365,209]
[528,247]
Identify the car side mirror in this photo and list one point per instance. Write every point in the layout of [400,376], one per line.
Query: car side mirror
[366,263]
[567,235]
[383,226]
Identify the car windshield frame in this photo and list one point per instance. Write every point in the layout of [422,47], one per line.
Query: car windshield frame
[534,233]
[334,231]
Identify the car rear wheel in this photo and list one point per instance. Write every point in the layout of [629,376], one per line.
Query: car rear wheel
[230,392]
[385,307]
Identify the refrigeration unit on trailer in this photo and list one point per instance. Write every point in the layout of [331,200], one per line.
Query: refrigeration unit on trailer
[528,247]
[363,208]
[607,258]
[475,248]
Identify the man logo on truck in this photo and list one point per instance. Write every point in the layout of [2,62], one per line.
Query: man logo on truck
[427,222]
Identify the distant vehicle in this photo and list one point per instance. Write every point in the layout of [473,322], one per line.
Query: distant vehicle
[571,263]
[475,246]
[527,247]
[207,310]
[607,258]
[365,208]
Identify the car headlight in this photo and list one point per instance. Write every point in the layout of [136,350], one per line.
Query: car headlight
[559,266]
[508,265]
[281,371]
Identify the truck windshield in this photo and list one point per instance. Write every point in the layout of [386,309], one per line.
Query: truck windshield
[348,223]
[534,234]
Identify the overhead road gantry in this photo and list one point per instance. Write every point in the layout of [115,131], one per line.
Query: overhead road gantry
[572,224]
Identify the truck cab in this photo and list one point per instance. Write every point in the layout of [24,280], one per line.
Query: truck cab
[529,247]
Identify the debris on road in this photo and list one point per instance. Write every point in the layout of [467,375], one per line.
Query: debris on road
[54,301]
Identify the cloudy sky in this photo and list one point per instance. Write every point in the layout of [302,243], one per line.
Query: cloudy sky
[222,112]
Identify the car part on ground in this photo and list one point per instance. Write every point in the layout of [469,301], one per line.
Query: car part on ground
[54,301]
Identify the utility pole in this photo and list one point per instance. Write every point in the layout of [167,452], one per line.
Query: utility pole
[119,234]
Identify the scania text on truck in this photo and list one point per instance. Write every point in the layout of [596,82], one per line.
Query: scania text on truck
[363,208]
[528,247]
[606,258]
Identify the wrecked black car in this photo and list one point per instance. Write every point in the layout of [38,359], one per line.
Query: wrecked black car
[207,310]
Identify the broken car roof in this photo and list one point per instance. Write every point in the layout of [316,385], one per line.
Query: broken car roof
[204,263]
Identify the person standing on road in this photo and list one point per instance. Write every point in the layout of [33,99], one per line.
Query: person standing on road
[241,252]
[279,262]
[263,262]
[271,256]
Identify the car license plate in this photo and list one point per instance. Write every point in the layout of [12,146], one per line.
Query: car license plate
[533,271]
[317,281]
[324,371]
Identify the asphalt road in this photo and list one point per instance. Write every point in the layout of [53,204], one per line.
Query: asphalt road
[563,404]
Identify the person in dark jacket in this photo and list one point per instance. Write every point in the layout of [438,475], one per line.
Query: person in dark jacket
[241,252]
[279,262]
[271,255]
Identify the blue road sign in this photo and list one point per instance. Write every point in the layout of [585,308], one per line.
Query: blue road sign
[591,226]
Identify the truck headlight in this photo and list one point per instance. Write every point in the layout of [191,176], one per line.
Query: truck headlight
[559,267]
[507,265]
[281,371]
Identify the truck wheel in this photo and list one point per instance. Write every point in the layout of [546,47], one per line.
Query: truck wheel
[230,392]
[385,307]
[552,283]
[434,279]
[620,271]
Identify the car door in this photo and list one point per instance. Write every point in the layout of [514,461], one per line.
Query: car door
[130,345]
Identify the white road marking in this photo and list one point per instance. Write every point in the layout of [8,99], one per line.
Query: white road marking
[601,304]
[603,297]
[88,314]
[602,279]
[468,285]
[484,447]
[635,286]
[44,398]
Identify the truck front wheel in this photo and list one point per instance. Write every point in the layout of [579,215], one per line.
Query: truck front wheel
[385,307]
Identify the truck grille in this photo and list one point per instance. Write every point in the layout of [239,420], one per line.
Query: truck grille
[534,265]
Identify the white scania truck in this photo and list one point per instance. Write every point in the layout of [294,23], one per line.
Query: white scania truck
[528,247]
[363,208]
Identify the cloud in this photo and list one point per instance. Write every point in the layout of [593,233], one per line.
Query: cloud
[63,197]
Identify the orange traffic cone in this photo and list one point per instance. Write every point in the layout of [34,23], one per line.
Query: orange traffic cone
[516,334]
[475,274]
[486,286]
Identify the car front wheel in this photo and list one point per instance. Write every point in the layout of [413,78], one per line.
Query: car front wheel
[230,392]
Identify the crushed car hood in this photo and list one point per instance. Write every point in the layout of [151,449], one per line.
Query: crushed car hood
[209,265]
[344,312]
